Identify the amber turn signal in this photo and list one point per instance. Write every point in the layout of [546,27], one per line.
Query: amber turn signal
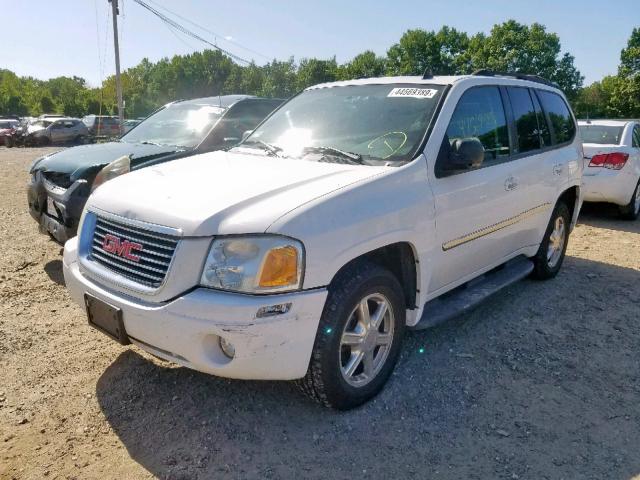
[280,267]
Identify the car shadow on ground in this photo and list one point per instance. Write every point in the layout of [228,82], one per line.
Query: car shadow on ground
[53,269]
[606,215]
[540,381]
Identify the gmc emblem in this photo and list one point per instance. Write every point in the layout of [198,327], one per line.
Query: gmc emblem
[122,248]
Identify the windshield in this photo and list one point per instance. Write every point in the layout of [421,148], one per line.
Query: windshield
[41,123]
[601,134]
[356,124]
[180,124]
[4,125]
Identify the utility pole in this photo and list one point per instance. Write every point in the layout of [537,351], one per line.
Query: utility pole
[114,10]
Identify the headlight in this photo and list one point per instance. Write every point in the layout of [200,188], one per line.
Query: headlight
[116,168]
[254,264]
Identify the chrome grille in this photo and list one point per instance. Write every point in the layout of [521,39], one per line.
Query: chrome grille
[154,256]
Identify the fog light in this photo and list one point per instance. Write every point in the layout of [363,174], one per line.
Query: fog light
[227,348]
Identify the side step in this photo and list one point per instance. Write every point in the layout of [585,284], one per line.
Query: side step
[469,295]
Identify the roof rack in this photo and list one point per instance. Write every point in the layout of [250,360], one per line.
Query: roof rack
[520,76]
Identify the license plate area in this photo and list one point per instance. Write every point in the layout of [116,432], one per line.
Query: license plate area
[51,208]
[106,318]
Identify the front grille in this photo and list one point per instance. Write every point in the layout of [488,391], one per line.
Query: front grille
[154,256]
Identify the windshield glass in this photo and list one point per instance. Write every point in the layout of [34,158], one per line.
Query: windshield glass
[4,125]
[371,124]
[182,124]
[601,134]
[41,123]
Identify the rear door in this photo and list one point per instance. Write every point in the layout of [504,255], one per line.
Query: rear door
[476,209]
[540,171]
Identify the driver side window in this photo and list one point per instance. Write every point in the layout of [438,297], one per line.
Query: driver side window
[480,114]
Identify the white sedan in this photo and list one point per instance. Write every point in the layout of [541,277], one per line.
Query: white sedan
[612,163]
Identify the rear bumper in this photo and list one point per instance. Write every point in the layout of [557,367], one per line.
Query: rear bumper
[611,186]
[187,330]
[68,204]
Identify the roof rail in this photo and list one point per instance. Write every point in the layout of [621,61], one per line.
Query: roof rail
[483,72]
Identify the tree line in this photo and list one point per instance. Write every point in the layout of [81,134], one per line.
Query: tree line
[509,47]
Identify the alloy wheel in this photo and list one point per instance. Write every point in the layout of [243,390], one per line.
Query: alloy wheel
[366,340]
[556,242]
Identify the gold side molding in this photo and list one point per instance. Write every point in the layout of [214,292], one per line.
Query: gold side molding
[456,242]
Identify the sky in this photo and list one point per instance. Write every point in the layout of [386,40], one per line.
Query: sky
[45,39]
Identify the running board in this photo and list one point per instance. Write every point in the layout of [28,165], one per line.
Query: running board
[467,296]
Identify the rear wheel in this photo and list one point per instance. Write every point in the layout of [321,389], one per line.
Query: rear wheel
[631,211]
[550,256]
[43,141]
[358,339]
[81,140]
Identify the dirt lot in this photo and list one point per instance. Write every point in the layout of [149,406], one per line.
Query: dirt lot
[539,383]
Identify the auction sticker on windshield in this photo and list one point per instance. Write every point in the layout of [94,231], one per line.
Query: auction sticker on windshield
[413,92]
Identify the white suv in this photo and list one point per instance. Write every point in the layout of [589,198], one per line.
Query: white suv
[339,223]
[612,163]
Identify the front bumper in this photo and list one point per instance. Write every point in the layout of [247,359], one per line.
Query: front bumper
[68,205]
[606,185]
[187,329]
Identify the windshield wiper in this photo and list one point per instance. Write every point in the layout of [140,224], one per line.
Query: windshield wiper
[270,149]
[147,142]
[350,156]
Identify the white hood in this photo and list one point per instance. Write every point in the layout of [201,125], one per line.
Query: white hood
[222,192]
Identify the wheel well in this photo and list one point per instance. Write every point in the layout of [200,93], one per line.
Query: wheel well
[400,260]
[569,197]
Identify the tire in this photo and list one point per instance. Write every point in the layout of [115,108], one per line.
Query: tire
[328,380]
[631,211]
[80,140]
[43,141]
[547,265]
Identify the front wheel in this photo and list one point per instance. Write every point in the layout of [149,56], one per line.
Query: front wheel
[550,256]
[358,339]
[631,211]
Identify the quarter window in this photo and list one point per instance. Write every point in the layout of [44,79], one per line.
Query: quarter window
[636,136]
[525,118]
[480,114]
[559,115]
[543,127]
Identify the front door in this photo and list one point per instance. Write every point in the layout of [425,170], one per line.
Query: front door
[477,210]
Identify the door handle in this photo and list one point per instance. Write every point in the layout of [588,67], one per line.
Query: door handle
[510,184]
[557,169]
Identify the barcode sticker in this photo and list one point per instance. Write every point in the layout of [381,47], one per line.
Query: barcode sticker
[413,92]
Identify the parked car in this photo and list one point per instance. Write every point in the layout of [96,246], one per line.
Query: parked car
[7,128]
[102,125]
[355,211]
[61,182]
[612,163]
[56,130]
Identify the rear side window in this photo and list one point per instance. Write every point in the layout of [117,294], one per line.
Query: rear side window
[561,120]
[543,126]
[480,114]
[526,120]
[636,136]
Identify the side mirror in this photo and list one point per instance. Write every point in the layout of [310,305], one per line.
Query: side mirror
[465,154]
[246,134]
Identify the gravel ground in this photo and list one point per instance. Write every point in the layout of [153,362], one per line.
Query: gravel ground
[541,382]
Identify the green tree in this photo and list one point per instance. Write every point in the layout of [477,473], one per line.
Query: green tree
[312,71]
[514,47]
[364,65]
[443,53]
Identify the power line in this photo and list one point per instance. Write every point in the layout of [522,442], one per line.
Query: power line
[209,31]
[186,31]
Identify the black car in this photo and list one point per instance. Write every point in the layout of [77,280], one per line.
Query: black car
[61,182]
